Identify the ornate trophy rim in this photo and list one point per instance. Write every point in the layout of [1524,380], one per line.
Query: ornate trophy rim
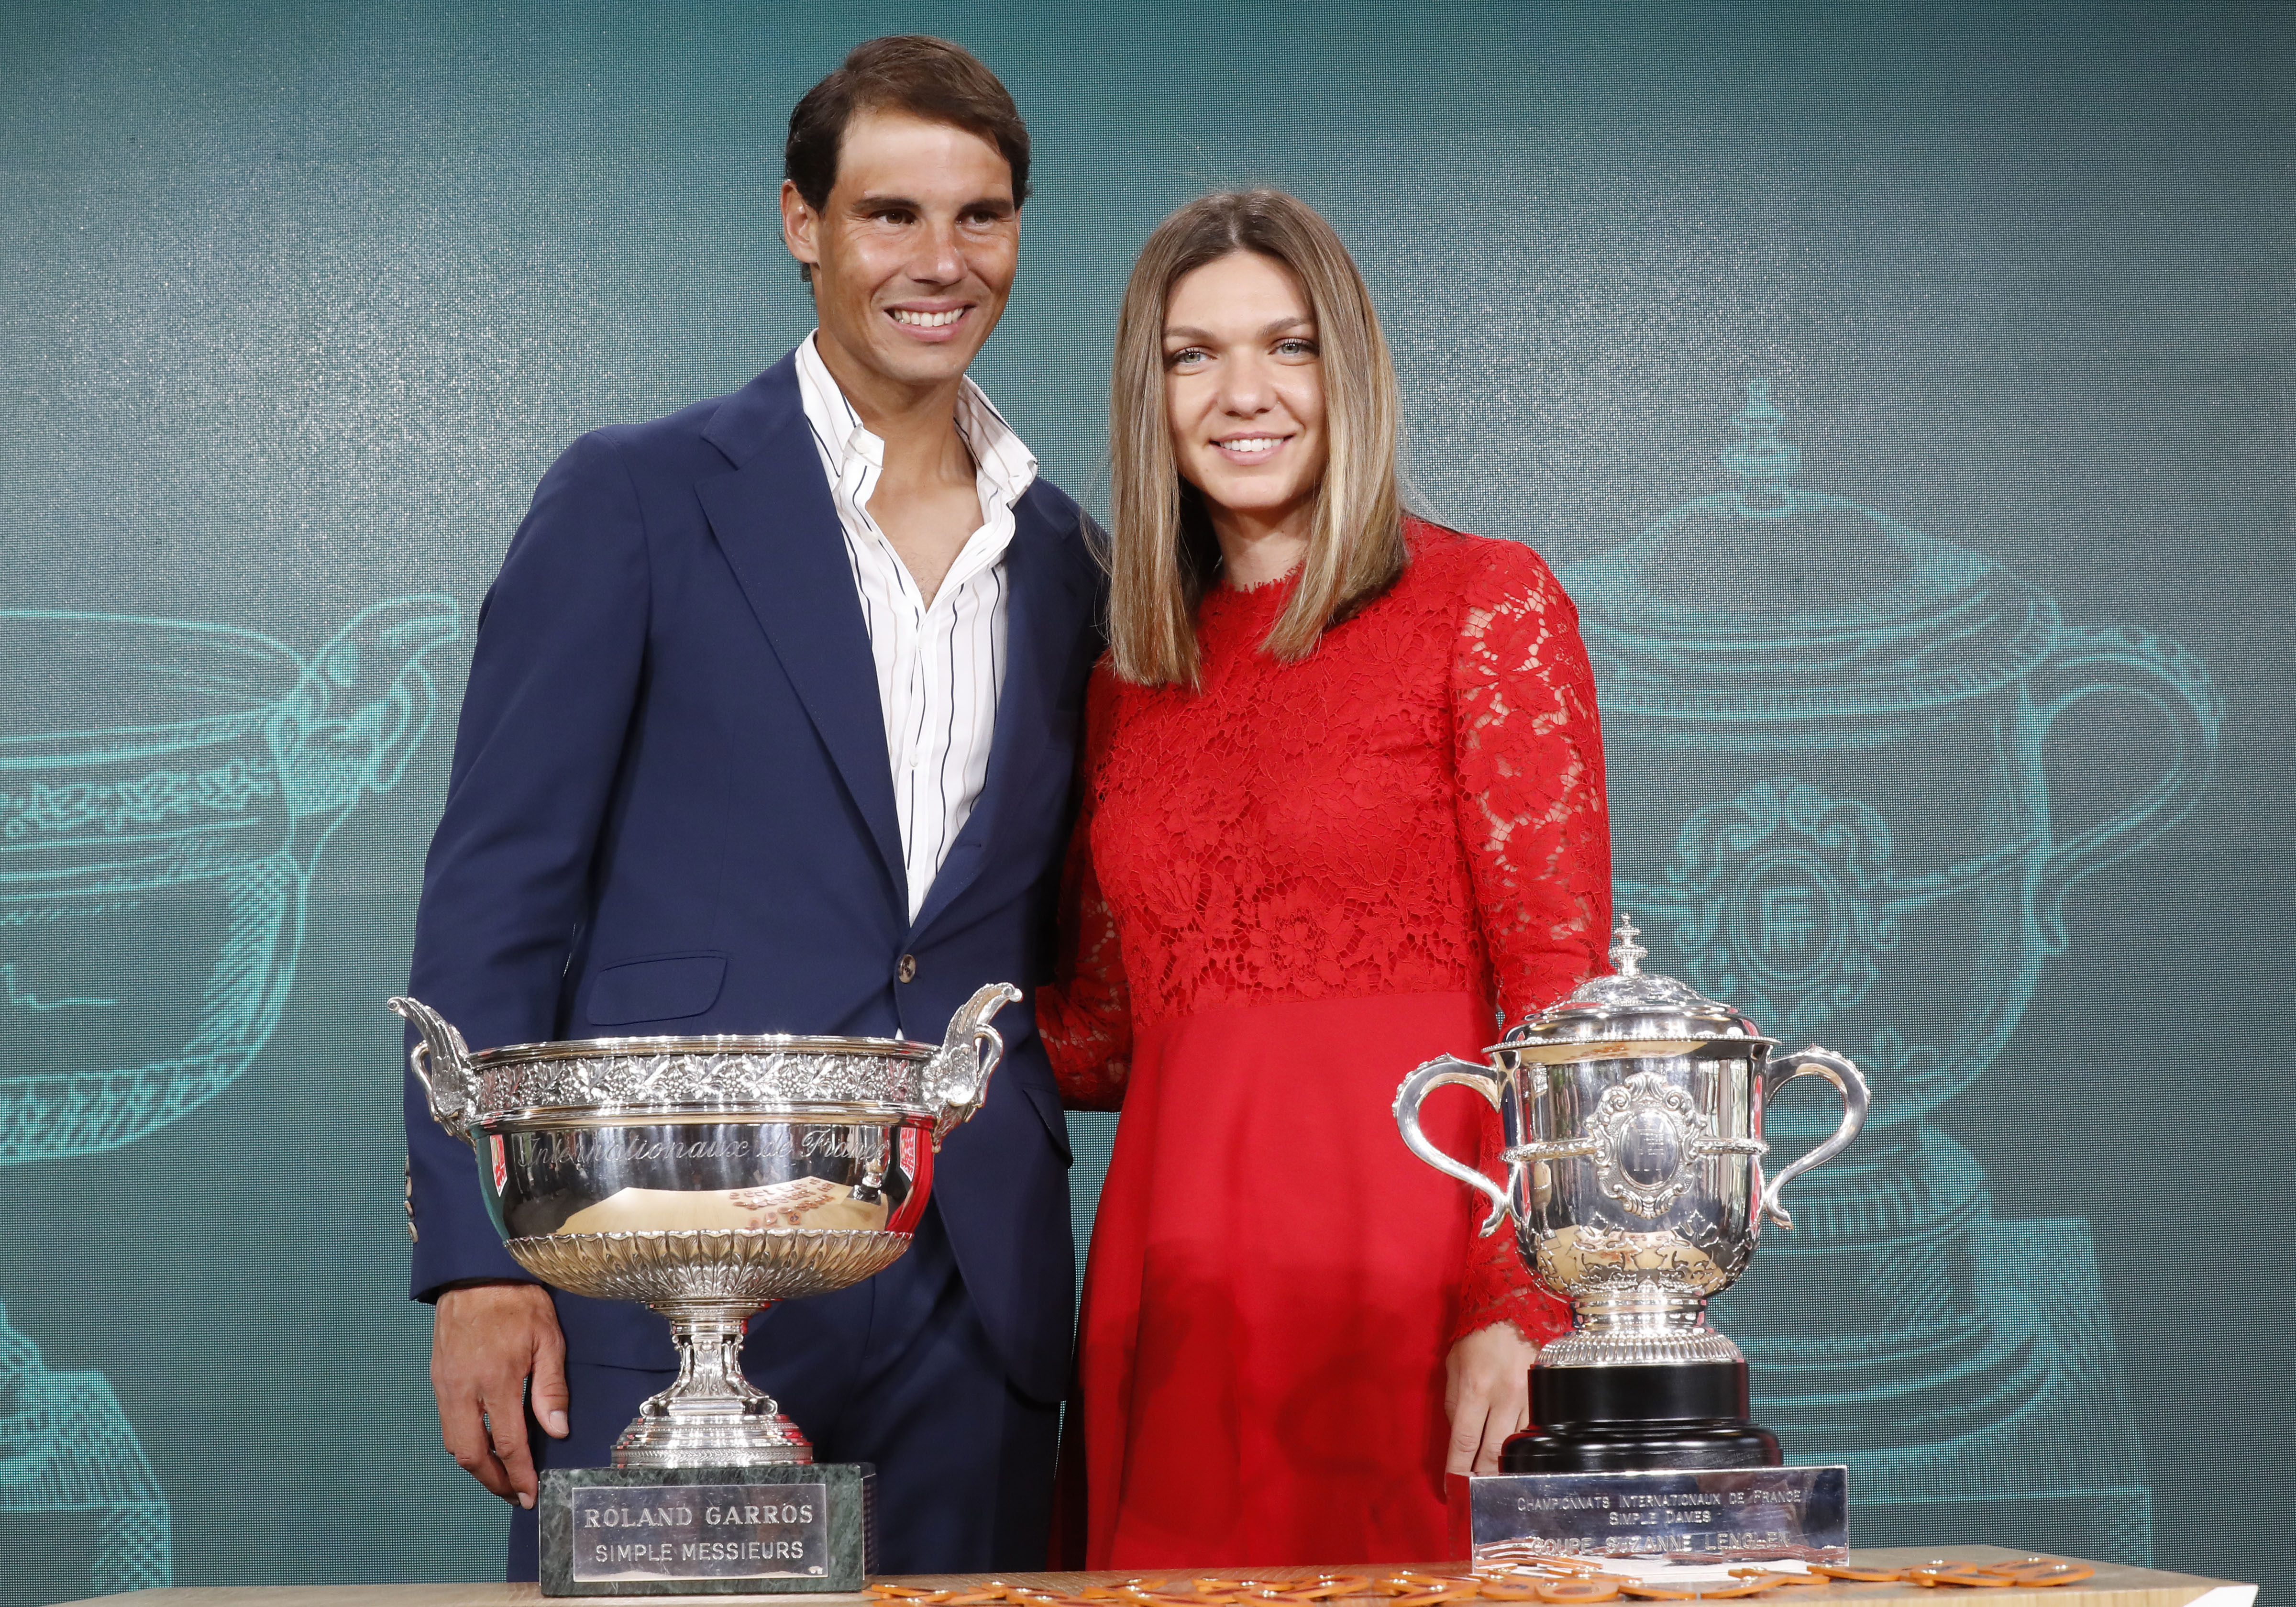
[776,1077]
[639,1113]
[721,1043]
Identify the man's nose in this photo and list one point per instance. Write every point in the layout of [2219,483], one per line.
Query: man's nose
[939,256]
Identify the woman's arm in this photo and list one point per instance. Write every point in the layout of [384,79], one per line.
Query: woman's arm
[1535,826]
[1085,1015]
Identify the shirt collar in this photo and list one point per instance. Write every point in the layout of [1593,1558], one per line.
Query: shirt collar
[1004,463]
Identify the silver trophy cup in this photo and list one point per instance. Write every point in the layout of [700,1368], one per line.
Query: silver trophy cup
[708,1177]
[1633,1120]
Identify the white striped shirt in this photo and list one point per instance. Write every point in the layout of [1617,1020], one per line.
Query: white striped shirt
[940,669]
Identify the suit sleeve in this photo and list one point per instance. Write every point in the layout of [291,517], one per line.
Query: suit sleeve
[555,679]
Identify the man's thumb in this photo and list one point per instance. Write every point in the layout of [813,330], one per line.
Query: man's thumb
[549,1391]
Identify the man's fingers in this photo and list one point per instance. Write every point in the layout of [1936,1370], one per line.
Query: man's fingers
[548,1393]
[506,1430]
[463,1426]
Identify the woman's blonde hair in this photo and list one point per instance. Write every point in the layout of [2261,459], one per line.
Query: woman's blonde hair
[1163,554]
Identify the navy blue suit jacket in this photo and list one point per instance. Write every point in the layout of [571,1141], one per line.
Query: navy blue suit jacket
[671,811]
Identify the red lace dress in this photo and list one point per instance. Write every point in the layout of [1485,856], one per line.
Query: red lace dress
[1288,888]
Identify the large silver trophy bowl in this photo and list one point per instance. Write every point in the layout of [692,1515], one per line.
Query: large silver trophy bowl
[1632,1114]
[708,1177]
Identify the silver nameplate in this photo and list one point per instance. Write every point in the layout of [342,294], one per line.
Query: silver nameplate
[701,1531]
[1724,1514]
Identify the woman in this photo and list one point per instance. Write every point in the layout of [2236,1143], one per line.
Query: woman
[1343,810]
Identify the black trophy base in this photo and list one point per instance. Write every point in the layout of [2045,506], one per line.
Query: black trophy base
[707,1531]
[1634,1420]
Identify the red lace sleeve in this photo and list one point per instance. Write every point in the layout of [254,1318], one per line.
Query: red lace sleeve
[1535,826]
[1085,1014]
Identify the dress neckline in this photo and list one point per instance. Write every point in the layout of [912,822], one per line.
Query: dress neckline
[1255,598]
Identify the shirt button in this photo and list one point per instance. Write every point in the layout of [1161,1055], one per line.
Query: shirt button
[907,971]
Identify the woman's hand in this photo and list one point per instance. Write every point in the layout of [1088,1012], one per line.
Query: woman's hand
[1486,1393]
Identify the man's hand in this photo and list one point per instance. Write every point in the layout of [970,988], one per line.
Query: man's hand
[1487,1394]
[486,1341]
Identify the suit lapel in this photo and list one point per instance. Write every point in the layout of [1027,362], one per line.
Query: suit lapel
[1038,626]
[778,526]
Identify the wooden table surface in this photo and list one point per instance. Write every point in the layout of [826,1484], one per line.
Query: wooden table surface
[2114,1585]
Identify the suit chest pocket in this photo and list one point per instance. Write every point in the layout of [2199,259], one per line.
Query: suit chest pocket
[660,989]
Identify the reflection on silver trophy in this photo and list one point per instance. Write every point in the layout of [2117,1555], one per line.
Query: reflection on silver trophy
[708,1177]
[1633,1120]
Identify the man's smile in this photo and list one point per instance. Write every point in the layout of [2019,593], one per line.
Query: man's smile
[932,324]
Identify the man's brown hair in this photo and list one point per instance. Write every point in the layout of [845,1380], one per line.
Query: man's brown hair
[928,79]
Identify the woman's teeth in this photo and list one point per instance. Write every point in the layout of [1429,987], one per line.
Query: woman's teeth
[927,320]
[1257,443]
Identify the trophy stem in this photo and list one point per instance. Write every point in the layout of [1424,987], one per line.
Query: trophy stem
[1640,1326]
[712,1415]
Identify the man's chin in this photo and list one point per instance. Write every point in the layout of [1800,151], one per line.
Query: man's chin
[911,365]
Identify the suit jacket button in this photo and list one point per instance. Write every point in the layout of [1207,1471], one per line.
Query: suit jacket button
[907,972]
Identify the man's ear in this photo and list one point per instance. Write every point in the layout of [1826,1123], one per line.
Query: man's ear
[801,229]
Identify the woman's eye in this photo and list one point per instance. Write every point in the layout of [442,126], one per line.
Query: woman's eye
[1296,347]
[1186,356]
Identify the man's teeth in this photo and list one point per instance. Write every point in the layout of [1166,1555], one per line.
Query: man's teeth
[1257,443]
[927,320]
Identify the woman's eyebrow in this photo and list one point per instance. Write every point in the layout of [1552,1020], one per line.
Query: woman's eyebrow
[1182,332]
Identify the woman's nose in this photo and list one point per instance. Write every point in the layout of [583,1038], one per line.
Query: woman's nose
[1245,388]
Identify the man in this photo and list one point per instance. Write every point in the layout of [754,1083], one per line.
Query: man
[770,727]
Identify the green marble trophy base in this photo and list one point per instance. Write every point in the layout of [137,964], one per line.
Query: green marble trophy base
[708,1531]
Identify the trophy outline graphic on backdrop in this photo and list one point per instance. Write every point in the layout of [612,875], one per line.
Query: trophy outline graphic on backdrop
[200,810]
[1780,755]
[1632,1115]
[708,1177]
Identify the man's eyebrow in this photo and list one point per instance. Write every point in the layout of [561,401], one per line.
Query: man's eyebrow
[887,204]
[1185,332]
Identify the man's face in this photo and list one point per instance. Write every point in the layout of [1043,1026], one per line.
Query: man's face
[914,254]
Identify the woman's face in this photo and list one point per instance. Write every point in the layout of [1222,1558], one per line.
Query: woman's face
[1243,386]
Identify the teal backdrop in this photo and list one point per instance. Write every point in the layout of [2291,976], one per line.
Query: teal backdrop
[1904,391]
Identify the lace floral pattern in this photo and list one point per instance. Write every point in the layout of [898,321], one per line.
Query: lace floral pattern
[1417,807]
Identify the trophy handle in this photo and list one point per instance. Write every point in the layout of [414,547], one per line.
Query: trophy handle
[1848,1080]
[1450,1070]
[2128,663]
[441,1063]
[956,1078]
